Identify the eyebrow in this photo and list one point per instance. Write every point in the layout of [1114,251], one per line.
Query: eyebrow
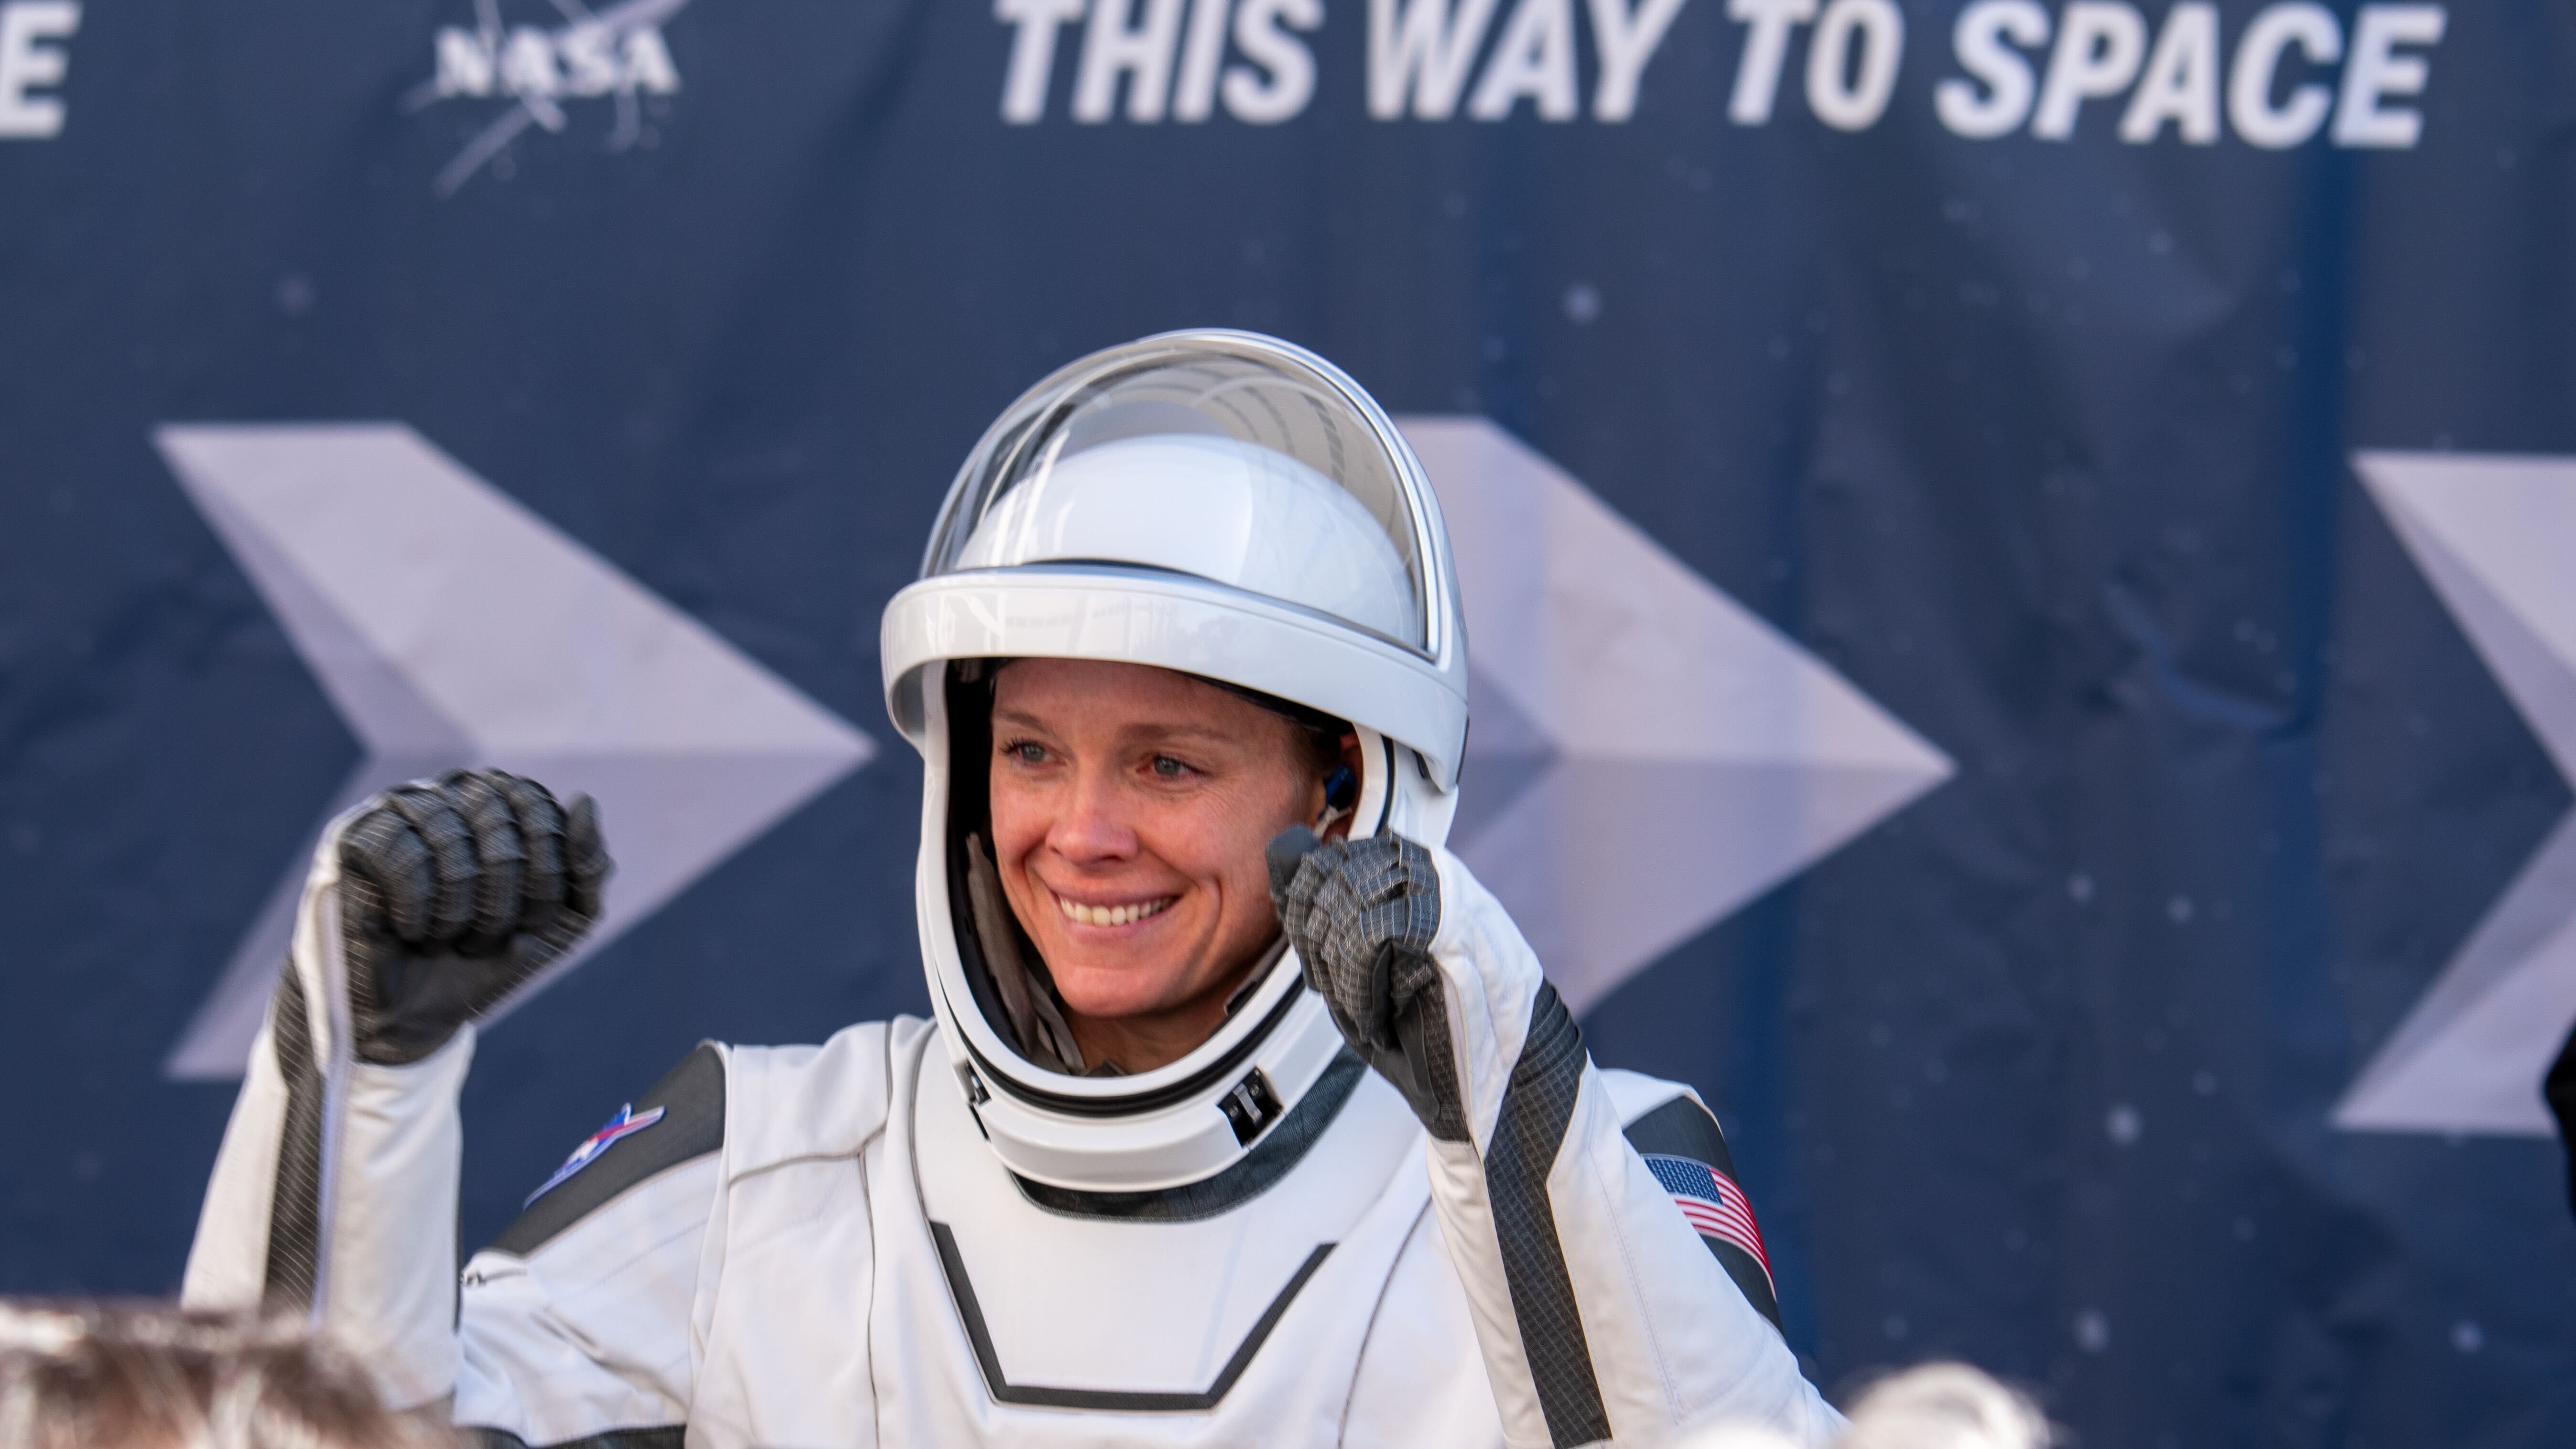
[1025,720]
[1188,732]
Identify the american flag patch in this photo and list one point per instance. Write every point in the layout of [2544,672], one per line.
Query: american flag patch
[1713,1204]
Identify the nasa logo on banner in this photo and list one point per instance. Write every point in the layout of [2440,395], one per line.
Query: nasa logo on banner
[513,76]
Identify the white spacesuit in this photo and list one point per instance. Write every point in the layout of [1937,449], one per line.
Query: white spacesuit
[1390,1201]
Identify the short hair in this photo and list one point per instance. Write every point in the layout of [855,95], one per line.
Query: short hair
[139,1376]
[1945,1406]
[1930,1406]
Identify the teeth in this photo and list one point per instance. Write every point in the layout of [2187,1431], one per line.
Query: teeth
[1112,915]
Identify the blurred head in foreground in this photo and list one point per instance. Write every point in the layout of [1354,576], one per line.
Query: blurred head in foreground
[1935,1406]
[94,1377]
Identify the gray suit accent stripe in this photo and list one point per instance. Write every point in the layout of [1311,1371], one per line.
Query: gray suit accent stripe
[692,1096]
[970,1312]
[1252,1175]
[295,1203]
[1537,1106]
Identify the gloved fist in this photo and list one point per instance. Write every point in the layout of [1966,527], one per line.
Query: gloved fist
[452,895]
[1362,914]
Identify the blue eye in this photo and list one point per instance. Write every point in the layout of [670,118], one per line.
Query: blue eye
[1169,768]
[1029,754]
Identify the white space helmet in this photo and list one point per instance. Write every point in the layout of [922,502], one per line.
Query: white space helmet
[1225,505]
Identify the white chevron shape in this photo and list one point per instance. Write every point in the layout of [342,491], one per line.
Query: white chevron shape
[451,626]
[2495,535]
[1648,755]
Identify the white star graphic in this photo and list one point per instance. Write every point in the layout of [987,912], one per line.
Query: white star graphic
[451,626]
[1647,754]
[2493,536]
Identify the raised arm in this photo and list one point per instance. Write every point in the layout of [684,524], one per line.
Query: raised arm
[1598,1309]
[334,1194]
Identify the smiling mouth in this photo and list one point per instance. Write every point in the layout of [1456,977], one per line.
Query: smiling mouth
[1113,915]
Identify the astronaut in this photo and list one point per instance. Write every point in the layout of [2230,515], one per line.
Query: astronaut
[1245,1115]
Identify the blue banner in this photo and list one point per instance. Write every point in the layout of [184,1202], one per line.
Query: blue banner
[2016,556]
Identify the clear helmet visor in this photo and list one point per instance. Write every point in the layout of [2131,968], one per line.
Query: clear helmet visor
[1233,459]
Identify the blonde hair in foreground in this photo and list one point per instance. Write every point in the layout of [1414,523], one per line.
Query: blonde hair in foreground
[1932,1406]
[90,1376]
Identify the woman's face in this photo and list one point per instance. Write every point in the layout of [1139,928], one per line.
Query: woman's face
[1130,808]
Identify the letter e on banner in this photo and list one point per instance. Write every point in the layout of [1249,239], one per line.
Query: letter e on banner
[2375,71]
[26,64]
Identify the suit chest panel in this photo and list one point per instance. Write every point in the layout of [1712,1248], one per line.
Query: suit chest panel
[846,1294]
[1047,1328]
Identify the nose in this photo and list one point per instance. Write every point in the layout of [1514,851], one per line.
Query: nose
[1093,829]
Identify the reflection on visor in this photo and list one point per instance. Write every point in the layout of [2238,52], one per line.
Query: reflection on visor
[1246,470]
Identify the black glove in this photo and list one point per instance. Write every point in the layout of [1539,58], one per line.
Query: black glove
[452,896]
[1361,914]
